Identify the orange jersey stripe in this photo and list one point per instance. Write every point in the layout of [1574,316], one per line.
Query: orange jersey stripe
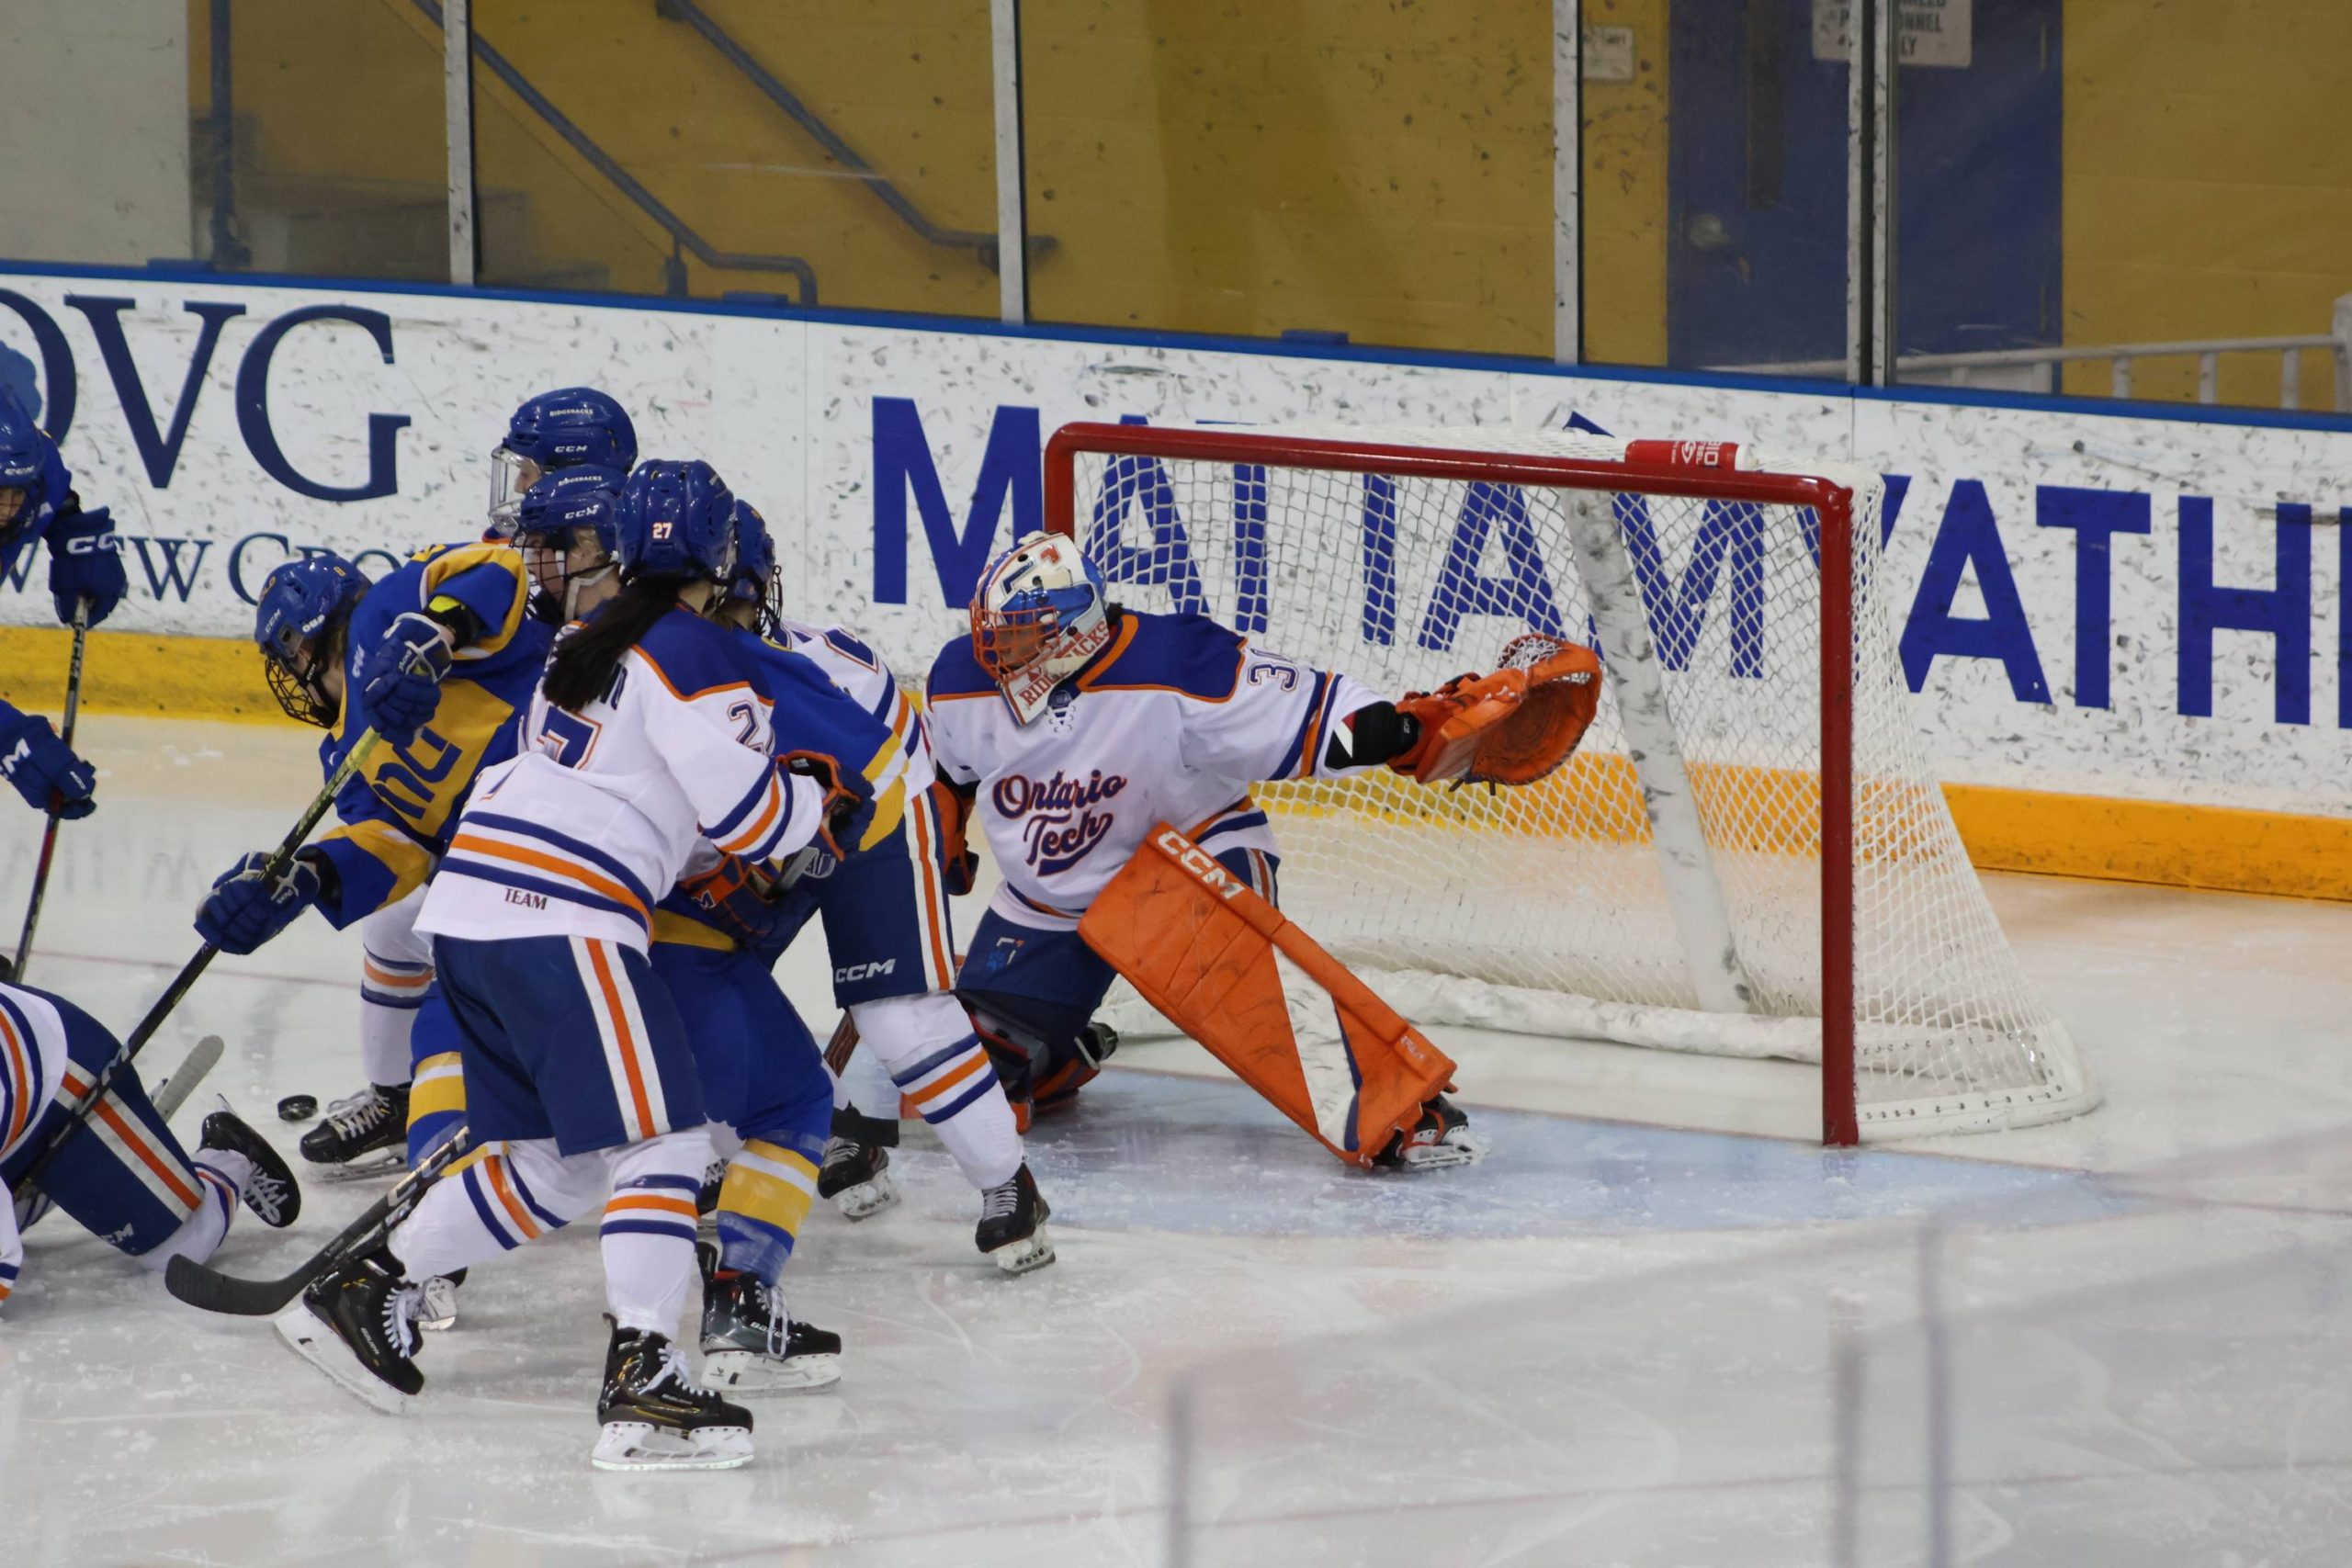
[572,869]
[385,977]
[660,1201]
[759,825]
[643,1106]
[20,1064]
[134,1139]
[924,816]
[495,1169]
[971,1066]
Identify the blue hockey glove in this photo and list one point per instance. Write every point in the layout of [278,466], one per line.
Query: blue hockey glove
[86,562]
[44,771]
[849,800]
[245,907]
[399,682]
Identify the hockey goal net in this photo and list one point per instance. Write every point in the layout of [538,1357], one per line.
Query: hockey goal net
[1747,856]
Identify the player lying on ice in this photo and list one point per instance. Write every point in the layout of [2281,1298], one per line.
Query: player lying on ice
[1084,735]
[650,733]
[85,577]
[121,1174]
[890,942]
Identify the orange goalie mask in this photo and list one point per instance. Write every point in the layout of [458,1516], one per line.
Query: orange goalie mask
[1202,948]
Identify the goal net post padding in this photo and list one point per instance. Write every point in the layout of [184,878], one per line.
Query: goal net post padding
[1747,856]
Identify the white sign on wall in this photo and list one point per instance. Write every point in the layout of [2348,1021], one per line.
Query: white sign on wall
[1927,32]
[2106,604]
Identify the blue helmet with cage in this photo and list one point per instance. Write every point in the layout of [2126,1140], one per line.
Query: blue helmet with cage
[755,570]
[677,520]
[568,528]
[563,429]
[298,621]
[32,477]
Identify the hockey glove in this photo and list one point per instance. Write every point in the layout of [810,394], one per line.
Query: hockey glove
[849,800]
[1512,726]
[749,904]
[959,864]
[46,773]
[85,562]
[245,907]
[400,679]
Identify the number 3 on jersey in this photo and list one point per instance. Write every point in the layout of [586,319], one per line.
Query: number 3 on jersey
[567,737]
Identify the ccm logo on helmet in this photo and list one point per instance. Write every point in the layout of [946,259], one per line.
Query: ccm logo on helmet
[851,974]
[1199,862]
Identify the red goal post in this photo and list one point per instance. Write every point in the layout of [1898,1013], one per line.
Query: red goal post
[1194,482]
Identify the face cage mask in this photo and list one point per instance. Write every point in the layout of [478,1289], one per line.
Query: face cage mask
[540,548]
[298,690]
[770,598]
[511,474]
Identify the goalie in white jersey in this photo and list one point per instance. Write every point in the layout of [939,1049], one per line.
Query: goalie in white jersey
[1072,727]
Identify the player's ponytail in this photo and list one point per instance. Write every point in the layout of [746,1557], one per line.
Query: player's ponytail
[586,657]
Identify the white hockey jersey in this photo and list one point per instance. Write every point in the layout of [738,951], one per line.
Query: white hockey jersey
[850,664]
[1175,721]
[591,824]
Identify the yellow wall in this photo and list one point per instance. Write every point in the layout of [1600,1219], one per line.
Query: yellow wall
[2207,183]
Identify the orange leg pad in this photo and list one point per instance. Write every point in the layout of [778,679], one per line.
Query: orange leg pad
[1202,948]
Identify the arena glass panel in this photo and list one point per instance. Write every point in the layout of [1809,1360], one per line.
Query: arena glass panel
[1323,170]
[818,153]
[2113,201]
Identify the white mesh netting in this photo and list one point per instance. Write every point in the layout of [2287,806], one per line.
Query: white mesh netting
[1564,909]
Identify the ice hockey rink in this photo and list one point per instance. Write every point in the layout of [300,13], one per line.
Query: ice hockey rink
[1618,1340]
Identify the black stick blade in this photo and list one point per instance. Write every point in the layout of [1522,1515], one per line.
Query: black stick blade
[201,1287]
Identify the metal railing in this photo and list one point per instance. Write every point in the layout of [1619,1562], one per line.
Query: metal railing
[2043,362]
[684,237]
[886,190]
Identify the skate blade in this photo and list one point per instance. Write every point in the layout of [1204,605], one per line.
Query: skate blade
[1025,1257]
[640,1445]
[868,1199]
[314,1339]
[1460,1149]
[746,1372]
[364,1168]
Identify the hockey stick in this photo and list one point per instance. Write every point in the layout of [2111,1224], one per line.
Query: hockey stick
[202,1287]
[275,867]
[167,1097]
[49,835]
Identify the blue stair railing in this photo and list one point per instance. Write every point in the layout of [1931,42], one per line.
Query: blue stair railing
[902,206]
[683,238]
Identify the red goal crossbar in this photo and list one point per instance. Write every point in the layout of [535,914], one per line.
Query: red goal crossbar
[1704,469]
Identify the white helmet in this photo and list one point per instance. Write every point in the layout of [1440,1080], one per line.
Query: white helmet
[1040,612]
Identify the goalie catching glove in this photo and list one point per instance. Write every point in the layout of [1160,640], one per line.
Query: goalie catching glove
[1512,726]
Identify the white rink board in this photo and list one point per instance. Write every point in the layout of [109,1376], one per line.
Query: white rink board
[816,422]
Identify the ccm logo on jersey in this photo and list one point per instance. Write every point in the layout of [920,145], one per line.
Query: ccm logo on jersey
[1200,862]
[850,974]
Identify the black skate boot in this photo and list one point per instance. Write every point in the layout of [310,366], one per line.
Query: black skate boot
[1013,1223]
[270,1191]
[856,1170]
[364,1135]
[751,1345]
[714,1176]
[657,1417]
[1442,1137]
[358,1324]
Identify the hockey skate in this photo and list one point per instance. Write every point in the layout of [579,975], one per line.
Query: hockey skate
[270,1192]
[858,1178]
[364,1135]
[1013,1224]
[436,1308]
[657,1417]
[750,1343]
[358,1324]
[1057,1089]
[1442,1137]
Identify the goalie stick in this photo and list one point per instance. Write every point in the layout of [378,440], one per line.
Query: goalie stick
[279,858]
[167,1097]
[200,1286]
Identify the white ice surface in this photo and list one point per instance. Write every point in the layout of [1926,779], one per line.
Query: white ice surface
[1620,1341]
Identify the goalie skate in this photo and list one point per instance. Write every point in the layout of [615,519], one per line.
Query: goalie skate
[1441,1138]
[655,1417]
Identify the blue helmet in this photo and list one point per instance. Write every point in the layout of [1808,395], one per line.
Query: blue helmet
[677,520]
[554,513]
[755,572]
[301,608]
[32,477]
[557,430]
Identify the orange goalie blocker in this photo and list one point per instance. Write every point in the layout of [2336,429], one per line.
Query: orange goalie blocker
[1200,946]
